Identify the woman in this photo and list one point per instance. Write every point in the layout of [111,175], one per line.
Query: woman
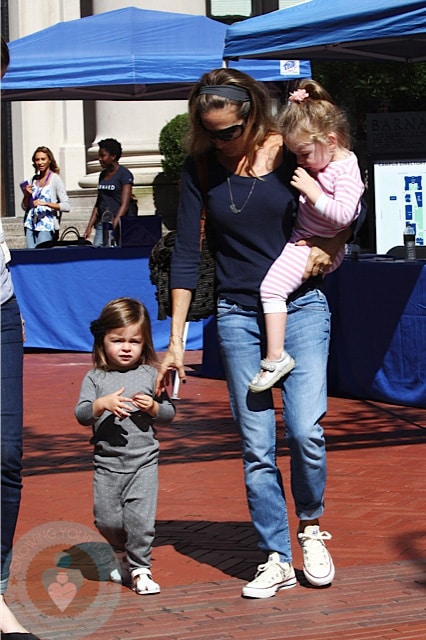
[11,375]
[45,200]
[250,212]
[114,190]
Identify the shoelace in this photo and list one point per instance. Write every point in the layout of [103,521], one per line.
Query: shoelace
[307,540]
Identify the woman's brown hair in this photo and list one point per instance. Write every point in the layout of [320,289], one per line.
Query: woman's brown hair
[53,164]
[256,112]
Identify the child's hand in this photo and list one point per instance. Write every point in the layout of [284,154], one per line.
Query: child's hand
[144,402]
[304,183]
[114,402]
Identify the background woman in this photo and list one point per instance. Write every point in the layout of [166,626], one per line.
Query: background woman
[45,199]
[114,190]
[250,212]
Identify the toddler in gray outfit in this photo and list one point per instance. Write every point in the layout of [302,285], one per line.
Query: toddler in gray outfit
[117,399]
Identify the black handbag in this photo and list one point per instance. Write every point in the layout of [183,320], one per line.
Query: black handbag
[203,303]
[65,240]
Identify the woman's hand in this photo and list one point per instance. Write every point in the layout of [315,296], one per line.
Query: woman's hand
[323,252]
[113,402]
[173,360]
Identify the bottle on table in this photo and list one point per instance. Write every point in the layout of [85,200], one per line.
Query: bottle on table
[410,242]
[107,229]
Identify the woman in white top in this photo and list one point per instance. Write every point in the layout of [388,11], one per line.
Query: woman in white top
[45,199]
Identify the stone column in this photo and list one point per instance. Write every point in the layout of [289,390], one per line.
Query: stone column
[56,124]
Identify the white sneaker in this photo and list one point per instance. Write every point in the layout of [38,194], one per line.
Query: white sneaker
[270,372]
[120,574]
[318,567]
[270,578]
[143,582]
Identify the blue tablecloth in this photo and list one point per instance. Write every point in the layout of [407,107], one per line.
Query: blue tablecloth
[61,290]
[378,332]
[378,344]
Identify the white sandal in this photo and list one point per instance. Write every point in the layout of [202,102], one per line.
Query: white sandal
[143,582]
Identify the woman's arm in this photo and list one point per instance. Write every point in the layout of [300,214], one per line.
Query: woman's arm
[59,195]
[174,356]
[91,222]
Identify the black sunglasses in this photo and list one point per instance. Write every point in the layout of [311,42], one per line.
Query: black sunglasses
[231,133]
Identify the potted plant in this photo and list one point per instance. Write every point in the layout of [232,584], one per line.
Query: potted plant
[166,184]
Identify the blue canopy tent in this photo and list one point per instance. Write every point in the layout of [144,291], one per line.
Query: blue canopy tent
[331,30]
[127,54]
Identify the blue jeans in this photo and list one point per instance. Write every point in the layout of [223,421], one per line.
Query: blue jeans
[33,238]
[11,429]
[241,339]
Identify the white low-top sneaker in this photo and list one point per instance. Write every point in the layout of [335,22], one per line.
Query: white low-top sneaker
[318,567]
[270,578]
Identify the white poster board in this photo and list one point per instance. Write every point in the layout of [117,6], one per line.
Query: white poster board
[399,194]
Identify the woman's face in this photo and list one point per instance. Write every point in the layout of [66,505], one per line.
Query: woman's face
[106,159]
[123,347]
[218,121]
[41,162]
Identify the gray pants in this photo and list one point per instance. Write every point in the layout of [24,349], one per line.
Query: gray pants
[125,506]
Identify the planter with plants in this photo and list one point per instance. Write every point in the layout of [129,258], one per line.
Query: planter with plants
[166,184]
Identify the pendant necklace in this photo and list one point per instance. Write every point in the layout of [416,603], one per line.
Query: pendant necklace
[233,206]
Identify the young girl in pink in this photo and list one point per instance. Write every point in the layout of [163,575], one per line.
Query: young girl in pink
[330,186]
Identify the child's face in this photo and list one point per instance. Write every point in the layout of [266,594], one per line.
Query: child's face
[123,347]
[312,156]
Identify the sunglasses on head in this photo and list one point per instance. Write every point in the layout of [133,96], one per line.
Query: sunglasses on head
[231,133]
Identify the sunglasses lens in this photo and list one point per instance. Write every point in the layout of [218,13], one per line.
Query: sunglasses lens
[232,133]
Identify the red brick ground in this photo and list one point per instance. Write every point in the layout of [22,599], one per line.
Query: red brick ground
[205,548]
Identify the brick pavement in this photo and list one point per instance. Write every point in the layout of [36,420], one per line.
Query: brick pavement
[205,547]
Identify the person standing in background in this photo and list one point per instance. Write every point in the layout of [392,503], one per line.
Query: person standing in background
[45,199]
[114,190]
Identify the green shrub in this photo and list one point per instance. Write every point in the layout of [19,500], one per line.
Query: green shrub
[171,145]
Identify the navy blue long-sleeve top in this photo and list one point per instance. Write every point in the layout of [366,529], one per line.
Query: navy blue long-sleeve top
[245,244]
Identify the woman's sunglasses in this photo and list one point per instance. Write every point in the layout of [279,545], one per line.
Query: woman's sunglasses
[231,133]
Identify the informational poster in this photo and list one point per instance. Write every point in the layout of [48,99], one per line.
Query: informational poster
[399,193]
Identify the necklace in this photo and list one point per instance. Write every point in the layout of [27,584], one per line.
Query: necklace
[233,206]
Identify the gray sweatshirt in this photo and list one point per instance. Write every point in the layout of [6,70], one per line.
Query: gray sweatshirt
[123,445]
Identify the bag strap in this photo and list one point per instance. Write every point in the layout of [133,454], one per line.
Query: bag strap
[68,231]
